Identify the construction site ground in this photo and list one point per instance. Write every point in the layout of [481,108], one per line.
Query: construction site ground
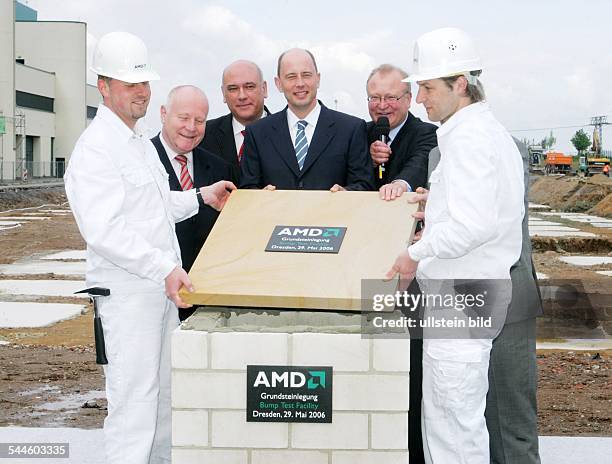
[48,375]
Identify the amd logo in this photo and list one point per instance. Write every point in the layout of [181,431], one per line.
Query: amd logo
[309,232]
[290,379]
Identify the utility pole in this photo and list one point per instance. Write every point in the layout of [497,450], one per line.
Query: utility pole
[598,122]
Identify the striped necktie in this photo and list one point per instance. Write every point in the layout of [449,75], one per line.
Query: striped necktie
[241,151]
[301,143]
[185,180]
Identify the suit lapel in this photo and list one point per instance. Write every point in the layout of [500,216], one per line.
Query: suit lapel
[226,141]
[163,157]
[323,134]
[201,168]
[281,140]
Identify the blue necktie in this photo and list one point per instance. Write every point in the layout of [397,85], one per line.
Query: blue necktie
[301,143]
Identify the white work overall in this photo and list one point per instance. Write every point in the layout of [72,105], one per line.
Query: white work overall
[119,194]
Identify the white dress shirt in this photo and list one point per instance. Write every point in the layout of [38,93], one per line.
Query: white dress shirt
[475,206]
[172,157]
[238,127]
[311,119]
[120,197]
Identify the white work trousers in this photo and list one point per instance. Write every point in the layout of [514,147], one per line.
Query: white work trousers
[137,330]
[455,385]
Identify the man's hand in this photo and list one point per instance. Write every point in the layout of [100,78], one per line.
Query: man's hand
[216,195]
[270,187]
[380,152]
[392,191]
[174,281]
[421,198]
[406,267]
[337,188]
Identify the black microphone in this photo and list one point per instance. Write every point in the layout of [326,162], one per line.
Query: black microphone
[381,131]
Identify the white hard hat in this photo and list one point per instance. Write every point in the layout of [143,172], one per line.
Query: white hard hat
[123,56]
[442,53]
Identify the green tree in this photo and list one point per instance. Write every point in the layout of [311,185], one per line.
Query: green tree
[581,141]
[549,141]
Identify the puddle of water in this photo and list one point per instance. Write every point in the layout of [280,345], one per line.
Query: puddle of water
[40,390]
[71,401]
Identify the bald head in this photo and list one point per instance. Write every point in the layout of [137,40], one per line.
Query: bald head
[244,91]
[298,79]
[184,118]
[293,52]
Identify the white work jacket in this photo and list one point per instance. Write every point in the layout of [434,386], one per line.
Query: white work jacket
[475,206]
[119,194]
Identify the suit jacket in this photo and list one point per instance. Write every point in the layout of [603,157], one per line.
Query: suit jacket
[207,169]
[219,139]
[410,150]
[337,154]
[526,299]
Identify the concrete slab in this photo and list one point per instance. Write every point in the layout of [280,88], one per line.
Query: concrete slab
[76,269]
[566,450]
[555,233]
[572,344]
[10,227]
[42,287]
[534,218]
[543,223]
[86,446]
[537,206]
[555,228]
[56,210]
[586,260]
[605,273]
[24,218]
[14,315]
[36,213]
[603,225]
[68,254]
[8,223]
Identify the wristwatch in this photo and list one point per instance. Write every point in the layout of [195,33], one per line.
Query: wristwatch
[199,196]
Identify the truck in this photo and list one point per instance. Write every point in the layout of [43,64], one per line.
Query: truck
[591,165]
[557,163]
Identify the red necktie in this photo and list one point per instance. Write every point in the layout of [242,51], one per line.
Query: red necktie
[185,180]
[241,151]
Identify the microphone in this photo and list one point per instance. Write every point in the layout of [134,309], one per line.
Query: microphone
[381,131]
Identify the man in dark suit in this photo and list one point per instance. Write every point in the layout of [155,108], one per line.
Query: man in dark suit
[189,166]
[244,91]
[401,165]
[307,145]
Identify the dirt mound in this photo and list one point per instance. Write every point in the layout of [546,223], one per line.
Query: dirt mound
[574,194]
[25,198]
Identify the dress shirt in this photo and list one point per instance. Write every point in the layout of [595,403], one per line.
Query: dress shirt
[238,127]
[475,205]
[120,197]
[173,161]
[311,119]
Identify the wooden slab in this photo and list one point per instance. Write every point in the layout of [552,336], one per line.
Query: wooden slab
[233,268]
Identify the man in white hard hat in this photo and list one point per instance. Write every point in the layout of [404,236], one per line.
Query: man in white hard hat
[473,221]
[119,194]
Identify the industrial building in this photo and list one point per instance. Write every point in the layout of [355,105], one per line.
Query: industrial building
[45,101]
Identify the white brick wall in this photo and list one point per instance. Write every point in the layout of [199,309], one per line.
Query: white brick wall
[189,349]
[230,429]
[234,350]
[194,389]
[370,399]
[390,431]
[369,457]
[348,431]
[289,457]
[202,456]
[391,355]
[371,392]
[190,428]
[346,352]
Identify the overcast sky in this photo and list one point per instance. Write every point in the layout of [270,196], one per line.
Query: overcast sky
[548,63]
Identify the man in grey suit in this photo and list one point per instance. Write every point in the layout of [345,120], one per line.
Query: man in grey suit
[511,411]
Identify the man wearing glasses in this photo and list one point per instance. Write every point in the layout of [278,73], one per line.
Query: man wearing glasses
[401,165]
[244,90]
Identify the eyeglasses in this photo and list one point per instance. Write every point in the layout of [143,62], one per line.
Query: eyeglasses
[388,99]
